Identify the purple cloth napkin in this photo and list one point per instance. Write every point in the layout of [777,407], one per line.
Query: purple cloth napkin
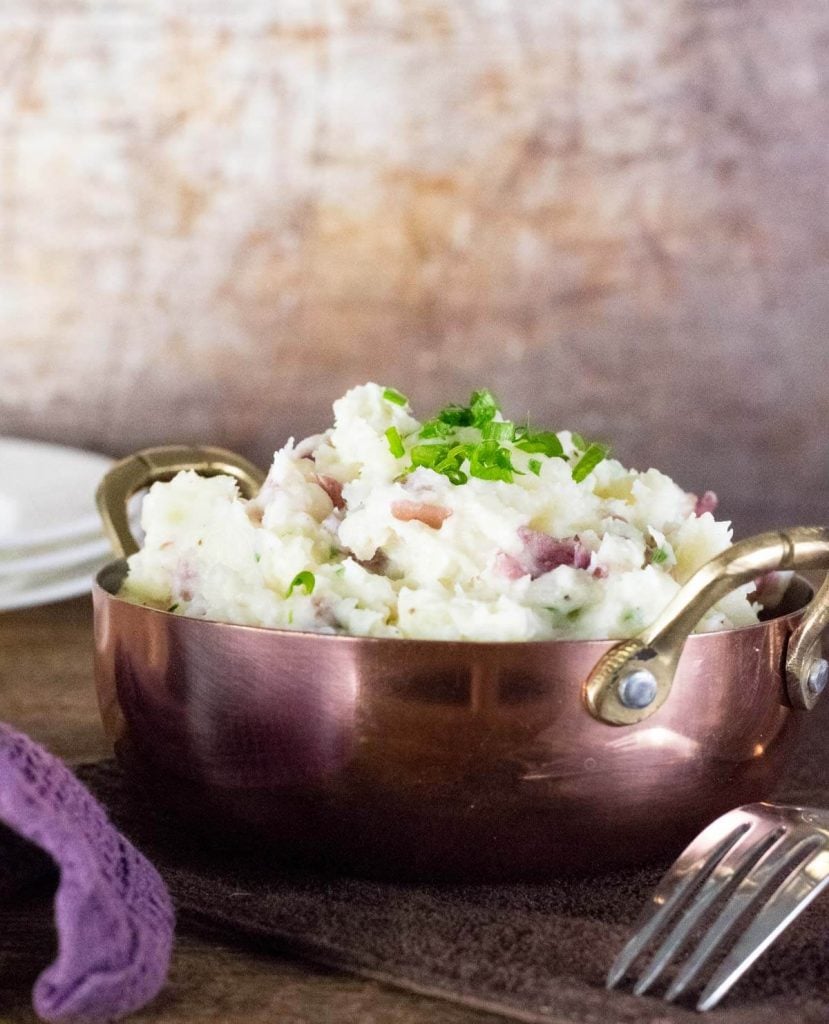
[113,913]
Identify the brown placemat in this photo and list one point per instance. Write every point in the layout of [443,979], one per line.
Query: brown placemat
[530,951]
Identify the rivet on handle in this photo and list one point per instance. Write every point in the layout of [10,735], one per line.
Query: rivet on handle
[807,671]
[818,677]
[638,688]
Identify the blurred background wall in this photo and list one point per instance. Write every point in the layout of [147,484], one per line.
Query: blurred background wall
[216,216]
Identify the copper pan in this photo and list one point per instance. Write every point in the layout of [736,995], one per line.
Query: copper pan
[417,758]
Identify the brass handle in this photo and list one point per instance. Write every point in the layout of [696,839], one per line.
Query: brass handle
[153,464]
[634,678]
[806,671]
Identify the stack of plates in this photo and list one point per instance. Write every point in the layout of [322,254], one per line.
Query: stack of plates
[51,542]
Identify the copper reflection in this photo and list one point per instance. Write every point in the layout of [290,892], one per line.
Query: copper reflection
[427,758]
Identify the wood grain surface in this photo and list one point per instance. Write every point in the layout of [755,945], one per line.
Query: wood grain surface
[46,690]
[214,217]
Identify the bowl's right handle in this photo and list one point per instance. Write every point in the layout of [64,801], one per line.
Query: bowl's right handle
[807,672]
[634,678]
[153,464]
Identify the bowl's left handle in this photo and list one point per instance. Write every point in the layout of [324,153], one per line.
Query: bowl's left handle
[633,679]
[153,464]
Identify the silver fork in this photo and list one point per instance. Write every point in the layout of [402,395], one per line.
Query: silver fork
[745,878]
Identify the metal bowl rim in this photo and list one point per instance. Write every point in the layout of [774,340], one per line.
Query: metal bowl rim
[310,635]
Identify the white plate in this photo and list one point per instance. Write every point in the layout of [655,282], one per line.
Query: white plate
[45,589]
[47,493]
[52,559]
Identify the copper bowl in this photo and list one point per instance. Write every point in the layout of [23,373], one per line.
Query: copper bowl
[415,758]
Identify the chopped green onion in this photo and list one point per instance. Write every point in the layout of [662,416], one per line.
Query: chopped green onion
[173,607]
[454,457]
[489,461]
[491,473]
[428,454]
[595,454]
[395,443]
[658,556]
[481,410]
[303,579]
[258,557]
[483,406]
[447,421]
[456,416]
[392,395]
[443,458]
[545,441]
[498,430]
[436,428]
[571,615]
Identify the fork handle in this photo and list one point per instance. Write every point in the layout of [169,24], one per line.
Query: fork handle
[653,655]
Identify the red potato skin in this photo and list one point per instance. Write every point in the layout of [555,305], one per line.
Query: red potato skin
[333,488]
[707,503]
[423,511]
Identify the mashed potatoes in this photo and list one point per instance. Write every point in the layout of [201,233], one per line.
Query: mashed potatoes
[466,527]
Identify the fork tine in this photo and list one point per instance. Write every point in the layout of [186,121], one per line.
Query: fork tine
[692,865]
[790,898]
[735,866]
[778,859]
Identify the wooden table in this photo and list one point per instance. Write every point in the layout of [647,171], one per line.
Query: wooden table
[46,690]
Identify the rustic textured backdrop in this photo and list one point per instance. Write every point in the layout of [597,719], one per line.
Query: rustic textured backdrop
[217,216]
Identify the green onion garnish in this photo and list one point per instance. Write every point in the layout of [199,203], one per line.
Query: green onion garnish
[443,458]
[392,395]
[395,442]
[498,430]
[456,416]
[488,461]
[303,579]
[544,441]
[428,454]
[595,454]
[658,556]
[453,456]
[173,607]
[448,450]
[436,428]
[483,405]
[447,421]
